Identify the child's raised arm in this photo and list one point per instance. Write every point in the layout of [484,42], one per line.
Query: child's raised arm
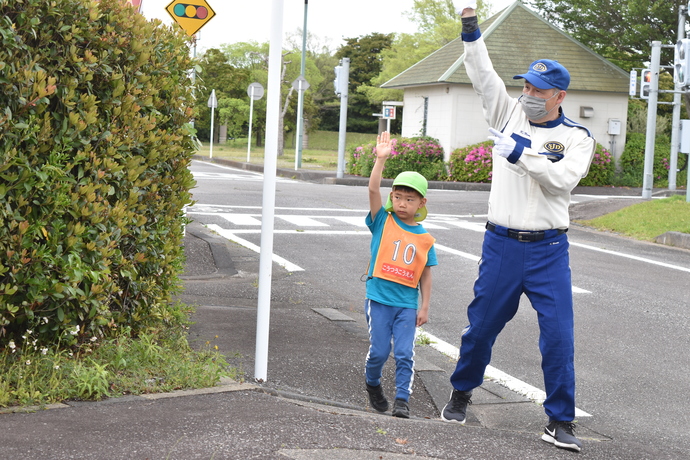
[383,151]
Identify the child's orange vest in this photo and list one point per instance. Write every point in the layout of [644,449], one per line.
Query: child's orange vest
[402,255]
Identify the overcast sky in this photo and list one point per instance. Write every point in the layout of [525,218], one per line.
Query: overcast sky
[237,21]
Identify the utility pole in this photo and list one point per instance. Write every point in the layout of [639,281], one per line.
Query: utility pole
[648,178]
[299,135]
[342,78]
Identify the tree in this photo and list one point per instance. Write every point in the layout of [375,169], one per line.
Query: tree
[438,26]
[622,32]
[365,64]
[321,105]
[253,57]
[230,83]
[250,57]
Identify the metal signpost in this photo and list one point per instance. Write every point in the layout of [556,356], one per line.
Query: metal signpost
[299,134]
[212,103]
[255,92]
[300,85]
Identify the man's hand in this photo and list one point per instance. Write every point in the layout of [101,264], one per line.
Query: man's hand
[461,5]
[383,145]
[503,145]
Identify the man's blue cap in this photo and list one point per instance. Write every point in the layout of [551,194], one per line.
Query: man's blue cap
[545,74]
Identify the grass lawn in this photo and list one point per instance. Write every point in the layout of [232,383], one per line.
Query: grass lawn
[645,221]
[322,153]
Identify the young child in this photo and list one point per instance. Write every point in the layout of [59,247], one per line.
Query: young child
[402,254]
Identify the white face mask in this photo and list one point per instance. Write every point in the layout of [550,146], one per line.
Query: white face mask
[535,107]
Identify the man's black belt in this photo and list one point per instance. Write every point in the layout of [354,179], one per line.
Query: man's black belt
[524,236]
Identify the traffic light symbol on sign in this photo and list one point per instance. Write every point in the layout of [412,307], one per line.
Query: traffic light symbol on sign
[191,15]
[190,11]
[645,83]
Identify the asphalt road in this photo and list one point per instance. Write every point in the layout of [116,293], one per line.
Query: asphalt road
[631,297]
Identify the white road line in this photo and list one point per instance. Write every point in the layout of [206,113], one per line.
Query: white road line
[432,226]
[236,173]
[356,221]
[239,219]
[630,256]
[298,231]
[535,394]
[466,255]
[228,234]
[474,226]
[235,219]
[302,221]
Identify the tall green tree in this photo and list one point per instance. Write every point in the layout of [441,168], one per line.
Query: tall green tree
[229,82]
[620,31]
[321,104]
[438,25]
[253,57]
[365,64]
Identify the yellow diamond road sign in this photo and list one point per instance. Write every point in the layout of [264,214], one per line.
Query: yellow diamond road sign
[191,15]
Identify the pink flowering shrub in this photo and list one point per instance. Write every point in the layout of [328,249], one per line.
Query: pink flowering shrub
[421,154]
[472,163]
[361,159]
[601,170]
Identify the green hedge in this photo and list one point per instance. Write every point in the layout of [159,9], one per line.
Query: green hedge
[96,104]
[632,162]
[601,170]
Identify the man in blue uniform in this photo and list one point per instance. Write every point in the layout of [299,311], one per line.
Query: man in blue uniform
[539,157]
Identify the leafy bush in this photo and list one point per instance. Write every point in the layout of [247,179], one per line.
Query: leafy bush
[421,154]
[361,159]
[632,162]
[601,170]
[472,163]
[94,165]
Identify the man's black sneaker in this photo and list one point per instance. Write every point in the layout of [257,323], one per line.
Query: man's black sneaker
[376,398]
[560,434]
[401,409]
[456,409]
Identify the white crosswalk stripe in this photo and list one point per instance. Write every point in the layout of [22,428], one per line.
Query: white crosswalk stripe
[247,176]
[247,220]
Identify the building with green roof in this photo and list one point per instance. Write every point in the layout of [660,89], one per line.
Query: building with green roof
[439,100]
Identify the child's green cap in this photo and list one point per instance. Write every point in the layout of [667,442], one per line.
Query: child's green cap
[415,181]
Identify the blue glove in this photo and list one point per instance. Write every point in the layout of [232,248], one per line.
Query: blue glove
[462,4]
[503,145]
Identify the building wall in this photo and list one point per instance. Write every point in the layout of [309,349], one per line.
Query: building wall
[456,119]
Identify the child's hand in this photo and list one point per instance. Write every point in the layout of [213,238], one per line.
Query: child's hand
[422,316]
[383,145]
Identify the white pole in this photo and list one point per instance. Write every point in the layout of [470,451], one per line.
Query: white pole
[212,117]
[269,192]
[251,112]
[298,134]
[648,178]
[342,131]
[675,123]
